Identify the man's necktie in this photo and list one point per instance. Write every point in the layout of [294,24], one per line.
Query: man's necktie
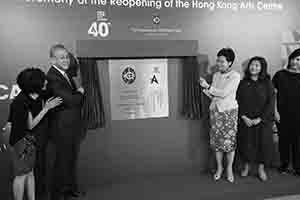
[66,77]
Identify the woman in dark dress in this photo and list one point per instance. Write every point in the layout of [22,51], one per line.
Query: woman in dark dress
[27,112]
[287,113]
[256,98]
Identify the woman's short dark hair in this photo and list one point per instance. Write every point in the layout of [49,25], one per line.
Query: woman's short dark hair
[228,53]
[263,74]
[31,80]
[293,55]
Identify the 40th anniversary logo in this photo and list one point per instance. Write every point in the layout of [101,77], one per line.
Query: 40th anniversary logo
[101,27]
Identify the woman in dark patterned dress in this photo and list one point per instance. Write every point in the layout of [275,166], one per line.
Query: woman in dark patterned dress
[223,111]
[256,98]
[27,112]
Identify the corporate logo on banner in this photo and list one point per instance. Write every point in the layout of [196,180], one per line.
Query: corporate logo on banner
[8,92]
[156,19]
[129,75]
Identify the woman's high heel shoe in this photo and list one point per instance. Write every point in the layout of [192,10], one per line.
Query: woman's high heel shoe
[230,177]
[262,175]
[218,175]
[244,173]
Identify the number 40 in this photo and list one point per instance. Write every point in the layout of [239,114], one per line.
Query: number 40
[101,29]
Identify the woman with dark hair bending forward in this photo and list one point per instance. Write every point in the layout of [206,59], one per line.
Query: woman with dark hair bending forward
[27,112]
[256,98]
[223,111]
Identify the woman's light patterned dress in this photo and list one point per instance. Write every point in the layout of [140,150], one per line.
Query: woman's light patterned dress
[223,130]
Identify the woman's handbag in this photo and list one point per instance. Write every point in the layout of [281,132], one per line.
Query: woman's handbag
[24,155]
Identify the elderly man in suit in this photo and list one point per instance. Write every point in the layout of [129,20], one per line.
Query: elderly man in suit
[65,124]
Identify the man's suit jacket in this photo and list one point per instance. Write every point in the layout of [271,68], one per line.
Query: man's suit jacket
[65,120]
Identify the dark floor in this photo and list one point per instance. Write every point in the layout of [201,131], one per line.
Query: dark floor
[193,187]
[183,186]
[196,187]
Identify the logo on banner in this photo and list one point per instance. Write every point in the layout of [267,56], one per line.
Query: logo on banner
[101,27]
[128,75]
[155,29]
[154,78]
[156,19]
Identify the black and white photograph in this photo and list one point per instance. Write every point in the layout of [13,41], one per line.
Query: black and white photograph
[149,99]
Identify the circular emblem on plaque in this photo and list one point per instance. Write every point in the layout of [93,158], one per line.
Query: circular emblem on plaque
[156,19]
[128,75]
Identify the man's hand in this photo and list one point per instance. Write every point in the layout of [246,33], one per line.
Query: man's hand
[81,90]
[77,81]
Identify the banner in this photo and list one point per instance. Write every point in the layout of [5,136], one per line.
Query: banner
[138,88]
